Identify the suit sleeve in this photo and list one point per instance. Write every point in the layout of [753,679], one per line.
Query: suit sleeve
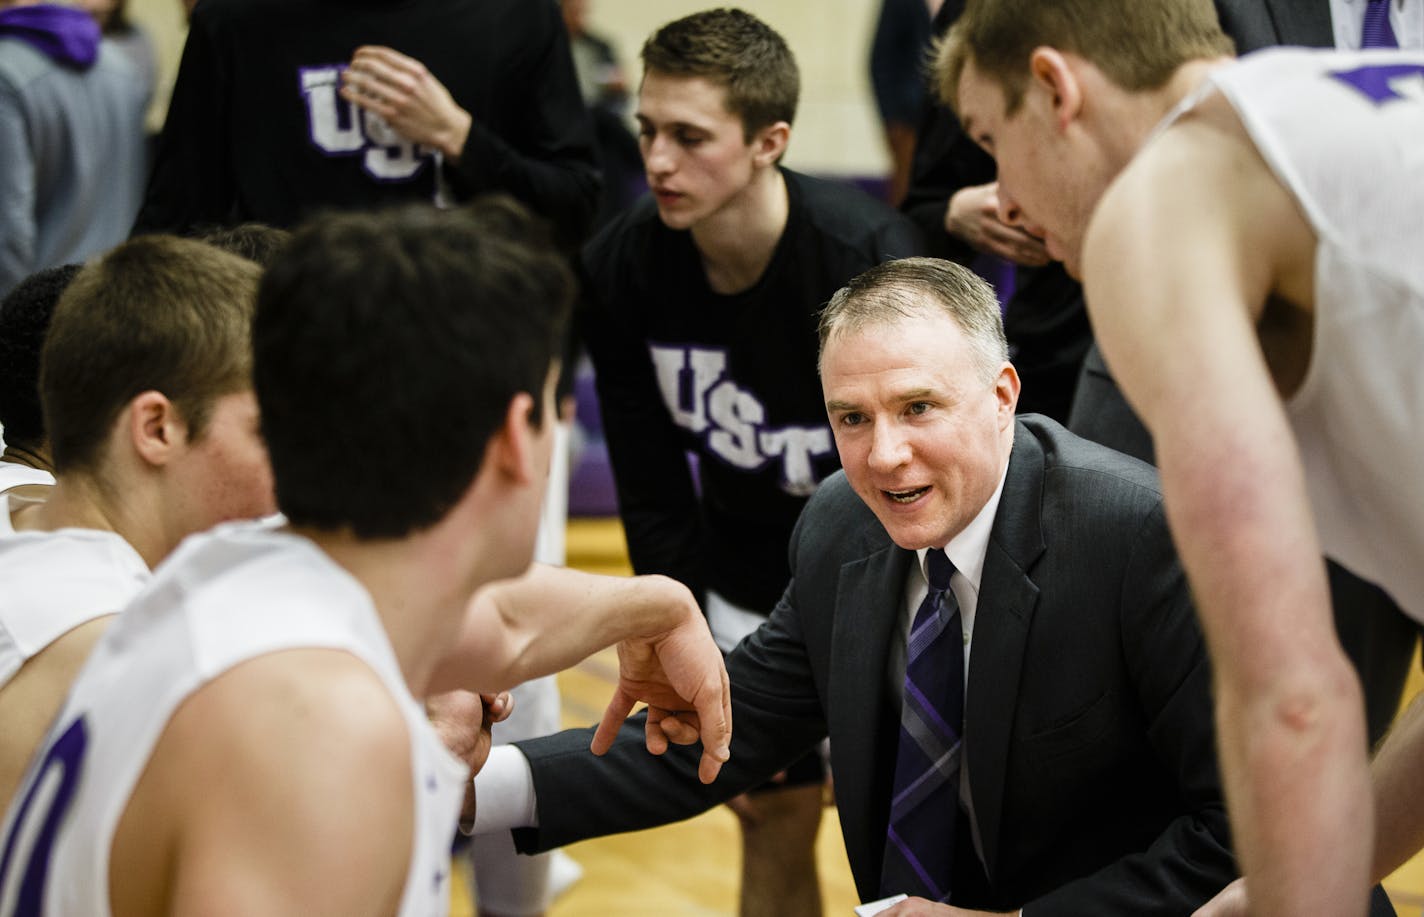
[1191,859]
[191,183]
[776,717]
[17,194]
[549,163]
[656,498]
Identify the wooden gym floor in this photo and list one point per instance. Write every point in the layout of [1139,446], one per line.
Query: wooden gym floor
[691,869]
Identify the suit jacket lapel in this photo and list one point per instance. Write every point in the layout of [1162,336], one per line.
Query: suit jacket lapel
[1303,23]
[868,606]
[1007,599]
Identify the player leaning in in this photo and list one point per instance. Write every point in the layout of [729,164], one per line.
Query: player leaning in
[247,737]
[1248,234]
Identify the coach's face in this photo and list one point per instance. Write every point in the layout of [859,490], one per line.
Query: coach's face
[923,435]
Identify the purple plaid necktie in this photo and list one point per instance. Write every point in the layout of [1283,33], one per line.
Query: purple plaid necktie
[1377,32]
[919,843]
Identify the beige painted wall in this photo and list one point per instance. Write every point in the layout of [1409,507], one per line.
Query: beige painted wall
[165,23]
[837,130]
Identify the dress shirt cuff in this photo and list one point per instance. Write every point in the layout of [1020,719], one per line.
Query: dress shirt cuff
[504,793]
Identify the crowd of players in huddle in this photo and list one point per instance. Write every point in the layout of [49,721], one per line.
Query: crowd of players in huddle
[282,715]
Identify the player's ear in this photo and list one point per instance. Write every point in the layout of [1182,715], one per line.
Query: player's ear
[511,449]
[769,143]
[154,427]
[1052,73]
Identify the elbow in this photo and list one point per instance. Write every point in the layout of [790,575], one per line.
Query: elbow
[1315,702]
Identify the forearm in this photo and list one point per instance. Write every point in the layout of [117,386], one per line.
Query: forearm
[561,186]
[1188,863]
[545,155]
[1289,709]
[1399,806]
[1300,806]
[553,618]
[1182,340]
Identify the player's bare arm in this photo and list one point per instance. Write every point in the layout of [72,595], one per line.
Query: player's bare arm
[30,700]
[1399,806]
[552,618]
[1183,253]
[282,787]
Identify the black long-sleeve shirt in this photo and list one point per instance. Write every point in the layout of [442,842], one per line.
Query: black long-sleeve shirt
[256,130]
[731,379]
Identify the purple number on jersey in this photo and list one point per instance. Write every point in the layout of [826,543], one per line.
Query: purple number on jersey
[66,755]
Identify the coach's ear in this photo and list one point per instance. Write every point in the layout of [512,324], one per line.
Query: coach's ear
[512,449]
[1052,72]
[155,427]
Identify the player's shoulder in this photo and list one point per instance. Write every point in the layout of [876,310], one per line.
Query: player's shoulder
[294,760]
[626,246]
[304,707]
[839,212]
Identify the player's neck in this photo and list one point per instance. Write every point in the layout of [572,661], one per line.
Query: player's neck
[418,588]
[737,242]
[76,501]
[1135,116]
[37,458]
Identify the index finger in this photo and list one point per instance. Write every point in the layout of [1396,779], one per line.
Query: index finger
[614,714]
[715,717]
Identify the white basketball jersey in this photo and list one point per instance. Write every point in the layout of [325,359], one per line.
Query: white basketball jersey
[224,597]
[14,475]
[1344,133]
[51,582]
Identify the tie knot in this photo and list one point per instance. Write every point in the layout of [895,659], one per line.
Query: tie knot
[938,569]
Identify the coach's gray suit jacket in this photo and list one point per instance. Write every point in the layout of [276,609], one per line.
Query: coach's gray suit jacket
[1256,24]
[1088,731]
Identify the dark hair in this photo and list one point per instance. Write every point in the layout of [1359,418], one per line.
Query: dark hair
[24,318]
[156,313]
[256,242]
[734,49]
[418,324]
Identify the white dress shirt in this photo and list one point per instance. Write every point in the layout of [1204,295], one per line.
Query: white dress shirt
[505,787]
[966,551]
[1406,17]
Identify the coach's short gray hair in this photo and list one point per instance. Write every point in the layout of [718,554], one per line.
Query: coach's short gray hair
[910,287]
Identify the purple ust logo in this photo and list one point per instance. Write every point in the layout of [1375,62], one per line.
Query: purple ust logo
[703,399]
[339,128]
[1385,83]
